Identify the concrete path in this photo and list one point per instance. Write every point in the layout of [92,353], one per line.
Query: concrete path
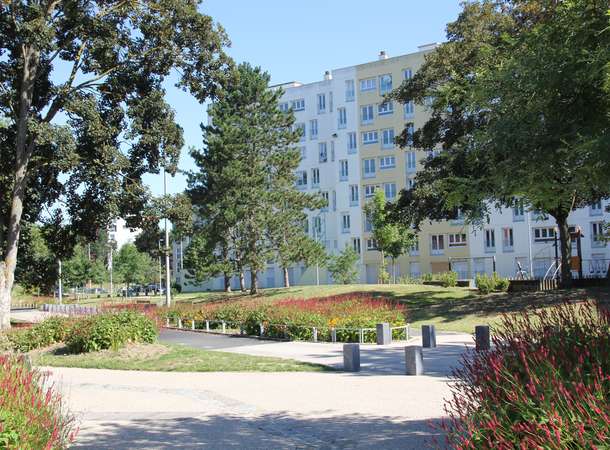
[374,359]
[378,408]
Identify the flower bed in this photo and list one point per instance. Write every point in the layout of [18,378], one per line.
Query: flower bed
[296,318]
[31,415]
[546,384]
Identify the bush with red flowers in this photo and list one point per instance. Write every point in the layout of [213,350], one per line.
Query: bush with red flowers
[544,384]
[32,415]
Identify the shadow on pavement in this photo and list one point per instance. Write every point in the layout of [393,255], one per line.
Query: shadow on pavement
[276,431]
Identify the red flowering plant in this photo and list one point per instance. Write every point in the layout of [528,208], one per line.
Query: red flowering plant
[32,414]
[544,384]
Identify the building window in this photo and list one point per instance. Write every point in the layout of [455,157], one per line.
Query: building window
[301,128]
[303,151]
[507,240]
[324,195]
[301,178]
[298,105]
[597,234]
[414,249]
[315,177]
[390,190]
[385,108]
[368,224]
[407,74]
[342,117]
[490,240]
[352,142]
[387,162]
[334,200]
[544,234]
[321,103]
[409,108]
[330,101]
[369,168]
[437,244]
[356,245]
[343,170]
[313,129]
[306,225]
[596,209]
[350,91]
[368,84]
[518,212]
[457,240]
[317,226]
[370,137]
[410,129]
[371,244]
[332,150]
[369,190]
[284,107]
[367,114]
[385,83]
[345,223]
[411,162]
[323,152]
[410,183]
[387,138]
[354,196]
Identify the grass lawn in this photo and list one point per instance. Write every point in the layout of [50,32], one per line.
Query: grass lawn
[170,358]
[450,309]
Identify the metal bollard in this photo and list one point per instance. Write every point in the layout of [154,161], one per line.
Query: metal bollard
[482,337]
[351,357]
[414,360]
[167,322]
[333,335]
[207,325]
[179,322]
[192,324]
[361,336]
[315,334]
[261,329]
[384,334]
[428,336]
[224,327]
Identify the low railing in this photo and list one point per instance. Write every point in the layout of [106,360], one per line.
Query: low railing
[334,333]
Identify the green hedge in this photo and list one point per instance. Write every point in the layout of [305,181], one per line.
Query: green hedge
[111,331]
[43,334]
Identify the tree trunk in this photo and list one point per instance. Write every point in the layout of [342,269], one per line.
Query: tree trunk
[286,277]
[242,281]
[253,282]
[565,246]
[227,282]
[23,152]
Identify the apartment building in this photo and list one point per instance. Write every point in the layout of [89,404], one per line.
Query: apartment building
[347,152]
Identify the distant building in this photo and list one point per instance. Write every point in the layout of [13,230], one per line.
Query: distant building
[121,234]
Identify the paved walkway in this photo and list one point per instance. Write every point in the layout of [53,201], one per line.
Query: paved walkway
[373,409]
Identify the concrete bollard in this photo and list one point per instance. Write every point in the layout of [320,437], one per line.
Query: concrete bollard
[414,360]
[333,335]
[384,334]
[224,327]
[315,334]
[180,323]
[482,337]
[351,357]
[192,324]
[167,322]
[428,336]
[207,325]
[261,329]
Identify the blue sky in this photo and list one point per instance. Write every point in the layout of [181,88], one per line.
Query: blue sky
[299,41]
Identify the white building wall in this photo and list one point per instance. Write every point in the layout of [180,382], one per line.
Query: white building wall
[121,234]
[595,253]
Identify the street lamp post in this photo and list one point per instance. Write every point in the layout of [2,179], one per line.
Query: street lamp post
[168,298]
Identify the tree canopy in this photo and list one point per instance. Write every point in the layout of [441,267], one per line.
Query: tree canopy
[520,107]
[82,101]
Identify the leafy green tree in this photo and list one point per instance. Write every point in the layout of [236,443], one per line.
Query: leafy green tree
[132,266]
[37,266]
[82,94]
[246,165]
[342,267]
[393,238]
[519,103]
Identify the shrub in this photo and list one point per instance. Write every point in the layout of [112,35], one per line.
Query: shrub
[31,415]
[448,279]
[427,277]
[407,279]
[111,331]
[545,384]
[500,284]
[43,334]
[487,284]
